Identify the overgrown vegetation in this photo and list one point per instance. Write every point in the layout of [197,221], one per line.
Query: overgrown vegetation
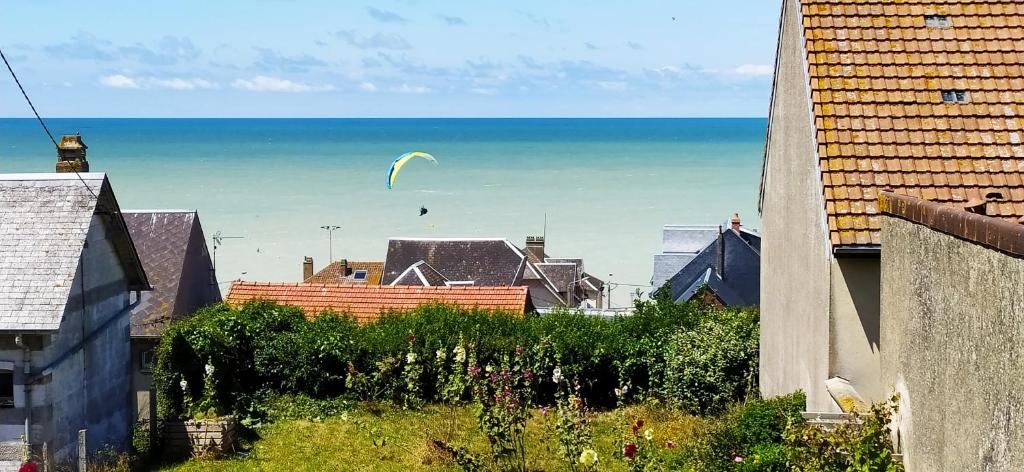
[665,350]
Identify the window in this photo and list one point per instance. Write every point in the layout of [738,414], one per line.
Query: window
[148,360]
[359,275]
[938,21]
[955,96]
[7,388]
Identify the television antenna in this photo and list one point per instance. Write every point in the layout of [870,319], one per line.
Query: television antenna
[218,241]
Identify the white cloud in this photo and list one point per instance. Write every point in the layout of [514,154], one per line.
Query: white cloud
[182,84]
[173,83]
[367,87]
[262,83]
[413,89]
[613,86]
[754,70]
[483,91]
[119,81]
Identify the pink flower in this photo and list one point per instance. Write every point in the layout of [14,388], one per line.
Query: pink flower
[629,450]
[28,467]
[544,410]
[737,459]
[473,371]
[519,349]
[670,444]
[637,425]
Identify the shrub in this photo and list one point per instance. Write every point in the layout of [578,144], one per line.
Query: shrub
[713,364]
[862,444]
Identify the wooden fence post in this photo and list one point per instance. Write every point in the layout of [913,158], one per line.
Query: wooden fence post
[82,454]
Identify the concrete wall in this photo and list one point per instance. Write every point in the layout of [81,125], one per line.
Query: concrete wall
[854,325]
[142,379]
[952,331]
[795,255]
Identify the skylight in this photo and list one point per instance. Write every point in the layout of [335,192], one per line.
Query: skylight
[955,96]
[359,275]
[938,21]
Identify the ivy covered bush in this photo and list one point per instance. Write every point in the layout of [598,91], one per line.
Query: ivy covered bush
[695,357]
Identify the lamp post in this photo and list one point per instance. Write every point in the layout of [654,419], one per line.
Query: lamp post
[330,241]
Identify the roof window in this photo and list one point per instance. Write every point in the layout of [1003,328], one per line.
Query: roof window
[938,21]
[359,275]
[955,96]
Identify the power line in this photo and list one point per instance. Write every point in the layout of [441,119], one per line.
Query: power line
[33,107]
[41,122]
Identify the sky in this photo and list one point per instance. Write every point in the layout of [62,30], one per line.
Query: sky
[390,58]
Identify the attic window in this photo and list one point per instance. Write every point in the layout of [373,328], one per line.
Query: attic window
[938,21]
[955,96]
[359,275]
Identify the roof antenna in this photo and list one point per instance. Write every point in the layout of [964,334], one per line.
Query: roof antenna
[545,233]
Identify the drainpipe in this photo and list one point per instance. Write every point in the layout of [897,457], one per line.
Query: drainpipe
[721,253]
[26,360]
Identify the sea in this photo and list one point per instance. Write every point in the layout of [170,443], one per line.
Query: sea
[598,189]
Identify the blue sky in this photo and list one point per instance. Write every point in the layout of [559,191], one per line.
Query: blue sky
[390,58]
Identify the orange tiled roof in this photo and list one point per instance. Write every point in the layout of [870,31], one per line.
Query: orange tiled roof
[332,274]
[367,303]
[877,73]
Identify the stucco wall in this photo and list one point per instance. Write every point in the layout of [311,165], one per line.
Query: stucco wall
[854,325]
[795,257]
[952,331]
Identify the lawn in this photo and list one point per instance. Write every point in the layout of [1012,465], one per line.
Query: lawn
[373,437]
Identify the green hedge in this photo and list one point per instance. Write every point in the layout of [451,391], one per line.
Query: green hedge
[262,347]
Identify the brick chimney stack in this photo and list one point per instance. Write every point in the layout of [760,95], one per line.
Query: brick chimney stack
[736,222]
[307,268]
[535,248]
[344,267]
[71,154]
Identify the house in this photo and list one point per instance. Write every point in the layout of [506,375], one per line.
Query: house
[173,249]
[680,244]
[367,303]
[725,272]
[342,272]
[918,98]
[492,262]
[67,267]
[952,331]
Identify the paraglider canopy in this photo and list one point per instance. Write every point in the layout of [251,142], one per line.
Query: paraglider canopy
[402,160]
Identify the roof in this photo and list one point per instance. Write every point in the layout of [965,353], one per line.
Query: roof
[686,239]
[332,274]
[877,75]
[561,274]
[741,283]
[487,262]
[367,303]
[984,230]
[163,238]
[44,222]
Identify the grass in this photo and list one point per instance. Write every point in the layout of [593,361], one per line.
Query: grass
[383,438]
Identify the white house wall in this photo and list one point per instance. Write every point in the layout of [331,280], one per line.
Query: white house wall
[795,255]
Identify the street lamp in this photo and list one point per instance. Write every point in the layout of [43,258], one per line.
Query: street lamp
[330,241]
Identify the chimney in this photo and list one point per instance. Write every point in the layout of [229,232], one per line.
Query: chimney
[735,222]
[344,267]
[535,248]
[307,268]
[71,154]
[721,253]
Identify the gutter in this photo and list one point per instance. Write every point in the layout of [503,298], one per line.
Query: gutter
[868,251]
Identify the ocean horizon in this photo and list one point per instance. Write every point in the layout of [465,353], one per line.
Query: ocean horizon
[605,186]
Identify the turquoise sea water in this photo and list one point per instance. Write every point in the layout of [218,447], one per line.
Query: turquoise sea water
[606,185]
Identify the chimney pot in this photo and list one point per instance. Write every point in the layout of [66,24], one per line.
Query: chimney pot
[71,154]
[736,222]
[307,268]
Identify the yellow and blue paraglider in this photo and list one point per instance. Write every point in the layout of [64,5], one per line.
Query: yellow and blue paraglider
[402,160]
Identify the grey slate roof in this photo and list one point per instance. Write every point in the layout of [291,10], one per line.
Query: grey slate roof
[44,222]
[172,246]
[680,244]
[740,285]
[421,274]
[485,262]
[561,274]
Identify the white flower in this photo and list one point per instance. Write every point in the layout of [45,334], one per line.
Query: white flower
[556,375]
[588,457]
[209,369]
[440,355]
[489,368]
[410,357]
[649,434]
[460,354]
[184,385]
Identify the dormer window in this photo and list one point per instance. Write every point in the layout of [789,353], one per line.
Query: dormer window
[955,96]
[938,21]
